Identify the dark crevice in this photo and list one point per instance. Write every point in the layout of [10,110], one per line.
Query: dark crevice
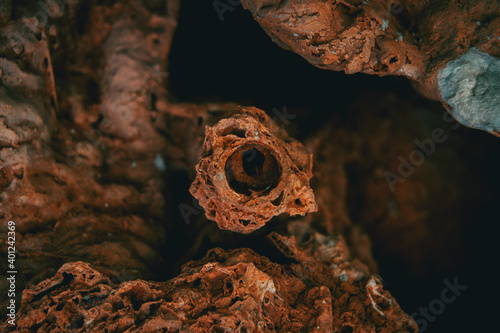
[67,278]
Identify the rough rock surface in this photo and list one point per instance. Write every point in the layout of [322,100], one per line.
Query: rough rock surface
[321,290]
[415,39]
[81,165]
[250,171]
[95,156]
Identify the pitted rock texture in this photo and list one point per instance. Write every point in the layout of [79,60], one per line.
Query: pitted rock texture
[415,39]
[354,36]
[250,170]
[95,156]
[80,184]
[237,290]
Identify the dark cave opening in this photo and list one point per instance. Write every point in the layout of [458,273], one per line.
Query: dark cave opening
[252,168]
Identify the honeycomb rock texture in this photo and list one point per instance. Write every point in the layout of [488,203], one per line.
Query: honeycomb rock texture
[68,173]
[236,290]
[250,171]
[411,38]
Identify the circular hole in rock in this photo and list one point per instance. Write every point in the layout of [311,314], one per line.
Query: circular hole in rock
[252,168]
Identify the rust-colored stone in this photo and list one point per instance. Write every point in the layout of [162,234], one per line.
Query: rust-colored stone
[412,38]
[250,170]
[96,155]
[236,290]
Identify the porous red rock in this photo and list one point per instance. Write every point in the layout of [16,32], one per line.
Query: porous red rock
[236,290]
[81,187]
[69,168]
[413,38]
[250,170]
